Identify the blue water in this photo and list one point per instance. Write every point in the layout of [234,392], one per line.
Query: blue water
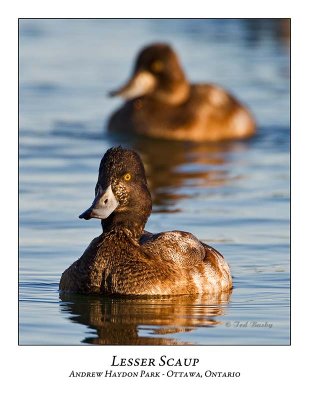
[234,196]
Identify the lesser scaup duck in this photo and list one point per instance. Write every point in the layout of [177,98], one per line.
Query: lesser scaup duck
[125,259]
[161,103]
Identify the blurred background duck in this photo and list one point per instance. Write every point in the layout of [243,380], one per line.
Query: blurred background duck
[160,102]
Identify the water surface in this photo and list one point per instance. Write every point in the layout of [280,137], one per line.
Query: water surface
[234,196]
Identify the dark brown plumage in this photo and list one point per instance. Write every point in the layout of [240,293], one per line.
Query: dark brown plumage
[125,259]
[162,103]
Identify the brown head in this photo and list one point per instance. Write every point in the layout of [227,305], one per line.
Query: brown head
[158,74]
[122,198]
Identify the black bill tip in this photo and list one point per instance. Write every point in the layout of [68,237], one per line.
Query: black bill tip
[113,93]
[86,214]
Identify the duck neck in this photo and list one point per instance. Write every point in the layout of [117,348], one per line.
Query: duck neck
[133,227]
[174,91]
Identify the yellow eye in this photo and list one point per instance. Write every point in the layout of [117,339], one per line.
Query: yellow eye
[157,66]
[127,177]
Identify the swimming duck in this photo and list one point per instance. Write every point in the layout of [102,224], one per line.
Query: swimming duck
[161,103]
[127,260]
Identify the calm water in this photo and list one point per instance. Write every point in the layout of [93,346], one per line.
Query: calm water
[234,196]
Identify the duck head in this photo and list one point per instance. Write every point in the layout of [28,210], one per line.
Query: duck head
[158,74]
[122,198]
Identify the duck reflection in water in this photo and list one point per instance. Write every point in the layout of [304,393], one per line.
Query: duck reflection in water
[144,321]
